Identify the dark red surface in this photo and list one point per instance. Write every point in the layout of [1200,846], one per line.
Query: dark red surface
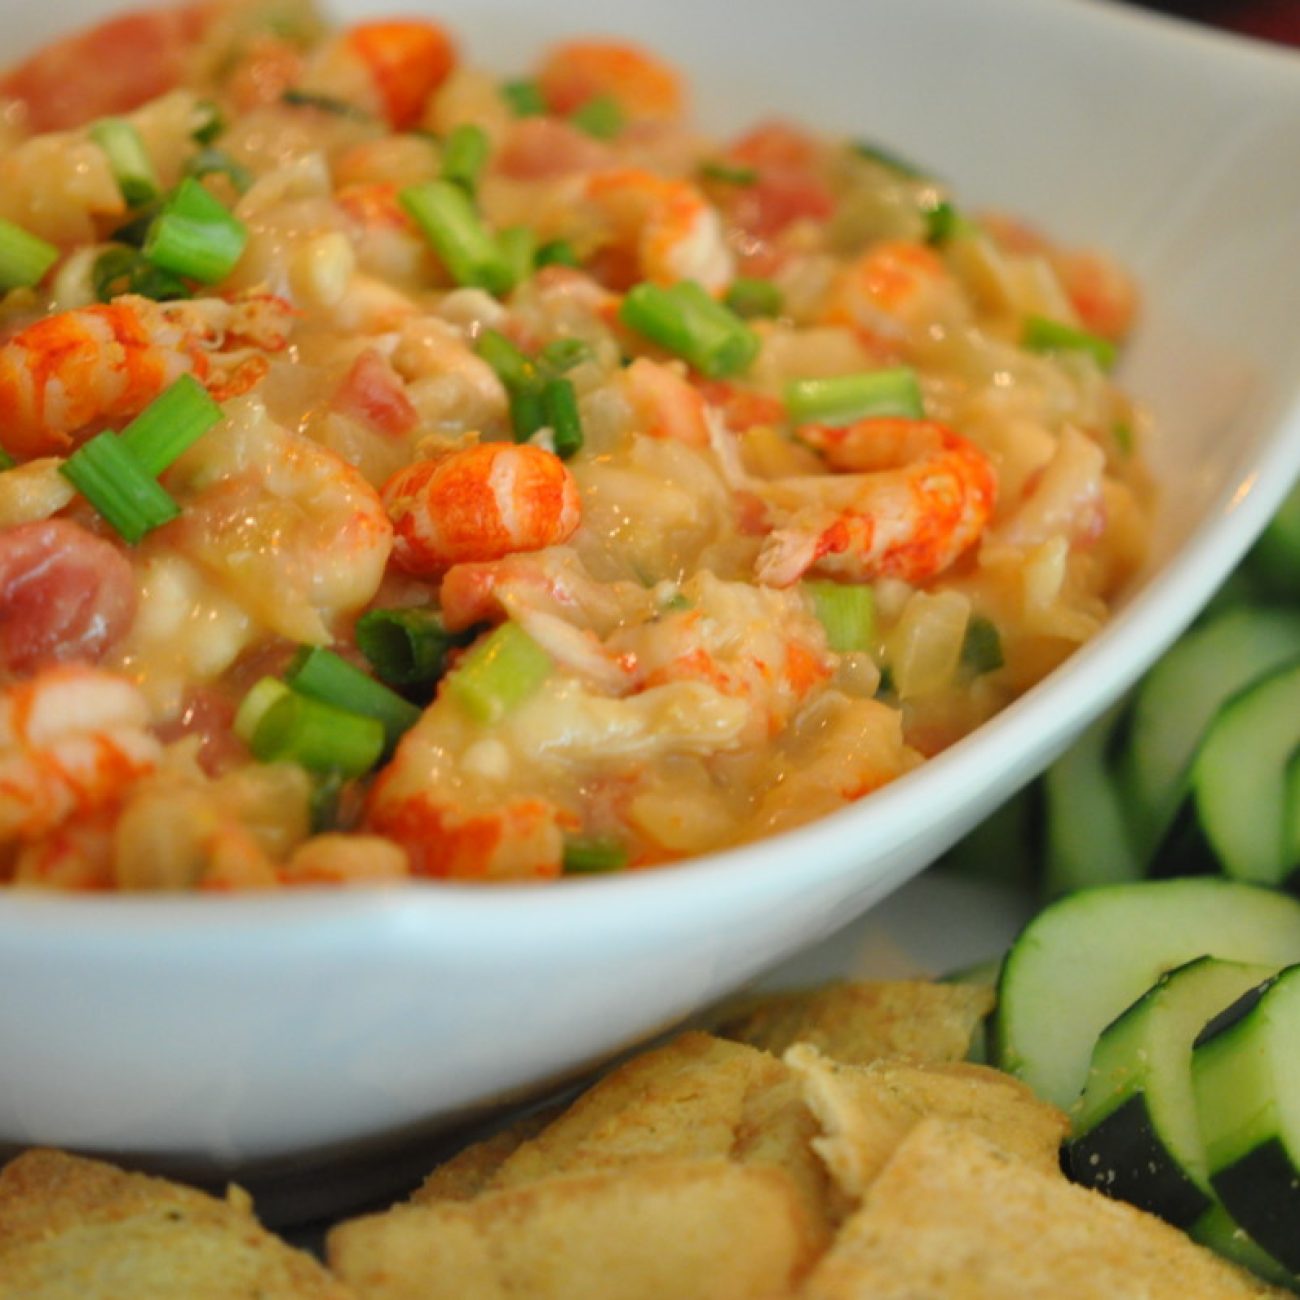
[1270,20]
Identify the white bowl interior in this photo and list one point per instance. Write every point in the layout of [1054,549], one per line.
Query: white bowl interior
[240,1033]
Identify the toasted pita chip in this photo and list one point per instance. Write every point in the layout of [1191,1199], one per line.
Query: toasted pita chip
[865,1111]
[77,1229]
[648,1231]
[859,1023]
[695,1097]
[468,1172]
[953,1216]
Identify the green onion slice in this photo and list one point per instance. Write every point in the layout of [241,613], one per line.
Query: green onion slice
[524,97]
[560,409]
[252,708]
[406,647]
[322,675]
[684,319]
[216,162]
[557,252]
[843,399]
[126,270]
[518,246]
[847,612]
[464,155]
[590,855]
[318,736]
[211,122]
[601,117]
[175,420]
[128,160]
[1041,334]
[195,235]
[446,216]
[24,258]
[325,104]
[6,460]
[499,673]
[113,481]
[887,158]
[749,297]
[728,173]
[981,648]
[561,355]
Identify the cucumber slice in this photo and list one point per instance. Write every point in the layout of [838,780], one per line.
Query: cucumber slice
[1087,956]
[1240,779]
[1218,1231]
[1136,1132]
[1243,1075]
[1087,836]
[1182,693]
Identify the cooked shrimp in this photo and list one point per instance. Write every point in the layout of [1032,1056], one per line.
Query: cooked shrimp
[895,288]
[915,496]
[665,403]
[643,86]
[392,66]
[289,530]
[667,227]
[72,374]
[481,503]
[72,739]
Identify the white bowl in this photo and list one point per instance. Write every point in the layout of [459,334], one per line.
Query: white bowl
[243,1034]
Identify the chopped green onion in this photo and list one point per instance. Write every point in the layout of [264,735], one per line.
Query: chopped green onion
[136,231]
[464,155]
[1045,335]
[886,686]
[749,297]
[685,320]
[127,159]
[216,162]
[561,355]
[519,248]
[176,419]
[601,117]
[446,215]
[325,104]
[6,460]
[589,855]
[522,380]
[845,398]
[847,612]
[322,675]
[406,647]
[265,692]
[499,673]
[524,97]
[1122,432]
[557,252]
[212,122]
[195,235]
[324,801]
[126,270]
[560,407]
[24,258]
[112,480]
[729,173]
[981,647]
[944,223]
[888,159]
[317,736]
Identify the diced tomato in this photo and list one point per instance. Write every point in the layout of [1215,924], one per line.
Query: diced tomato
[408,60]
[373,393]
[111,68]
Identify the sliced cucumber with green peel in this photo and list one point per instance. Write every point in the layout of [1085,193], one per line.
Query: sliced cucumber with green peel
[1240,779]
[1218,1231]
[1136,1134]
[1244,1069]
[1089,955]
[1088,841]
[1181,695]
